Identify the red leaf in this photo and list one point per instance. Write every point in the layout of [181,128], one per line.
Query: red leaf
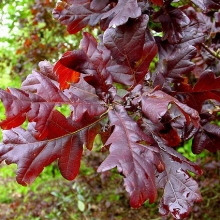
[92,61]
[64,142]
[78,14]
[98,5]
[173,20]
[65,75]
[207,137]
[122,12]
[46,68]
[15,108]
[174,61]
[37,105]
[155,106]
[133,63]
[157,2]
[207,87]
[180,190]
[136,161]
[207,5]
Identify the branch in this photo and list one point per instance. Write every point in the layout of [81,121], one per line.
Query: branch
[212,52]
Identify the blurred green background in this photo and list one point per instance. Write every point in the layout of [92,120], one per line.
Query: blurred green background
[28,35]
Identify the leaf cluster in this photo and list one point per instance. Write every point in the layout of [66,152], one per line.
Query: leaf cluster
[142,115]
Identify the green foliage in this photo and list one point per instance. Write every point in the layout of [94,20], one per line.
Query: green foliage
[186,151]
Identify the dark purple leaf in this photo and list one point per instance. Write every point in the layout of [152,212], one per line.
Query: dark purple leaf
[194,32]
[133,62]
[155,106]
[122,12]
[173,20]
[77,14]
[31,156]
[37,105]
[98,5]
[136,161]
[207,87]
[174,61]
[180,190]
[207,5]
[207,137]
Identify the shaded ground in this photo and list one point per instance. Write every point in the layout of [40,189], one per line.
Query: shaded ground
[99,197]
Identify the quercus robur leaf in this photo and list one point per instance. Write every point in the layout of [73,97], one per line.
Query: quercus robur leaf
[37,105]
[174,61]
[101,78]
[173,20]
[91,61]
[46,68]
[174,121]
[207,137]
[180,190]
[192,34]
[136,161]
[134,63]
[122,12]
[65,75]
[78,14]
[20,146]
[207,87]
[155,105]
[207,5]
[98,5]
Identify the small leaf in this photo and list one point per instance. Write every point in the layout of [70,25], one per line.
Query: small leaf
[81,205]
[65,75]
[207,137]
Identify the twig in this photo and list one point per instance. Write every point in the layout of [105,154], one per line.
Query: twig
[212,52]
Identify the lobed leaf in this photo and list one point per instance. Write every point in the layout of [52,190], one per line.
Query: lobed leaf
[207,87]
[133,63]
[155,106]
[78,14]
[207,5]
[173,20]
[180,190]
[174,61]
[92,62]
[37,105]
[64,142]
[122,12]
[207,137]
[136,161]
